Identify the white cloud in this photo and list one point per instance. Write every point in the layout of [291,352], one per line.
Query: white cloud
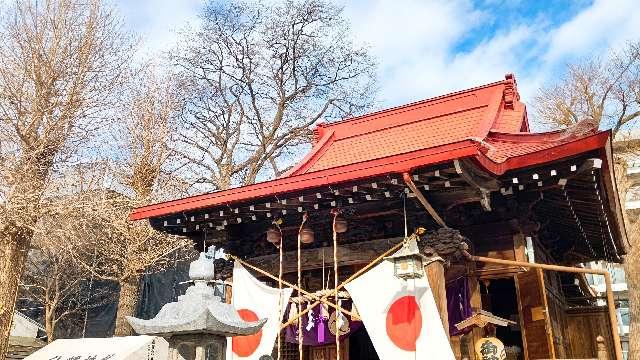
[415,42]
[605,24]
[411,39]
[401,30]
[158,21]
[437,73]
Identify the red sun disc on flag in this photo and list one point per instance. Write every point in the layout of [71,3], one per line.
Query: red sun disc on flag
[244,346]
[404,323]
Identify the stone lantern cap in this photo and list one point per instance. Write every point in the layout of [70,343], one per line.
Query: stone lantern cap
[198,311]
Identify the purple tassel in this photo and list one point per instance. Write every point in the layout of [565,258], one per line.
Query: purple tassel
[320,330]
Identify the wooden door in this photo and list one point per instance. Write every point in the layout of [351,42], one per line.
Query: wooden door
[328,352]
[537,337]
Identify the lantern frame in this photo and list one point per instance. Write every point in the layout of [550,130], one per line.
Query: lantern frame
[408,262]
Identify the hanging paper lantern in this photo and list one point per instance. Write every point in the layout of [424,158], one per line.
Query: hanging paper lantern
[306,235]
[274,235]
[340,224]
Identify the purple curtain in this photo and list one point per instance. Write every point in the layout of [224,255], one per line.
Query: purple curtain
[458,304]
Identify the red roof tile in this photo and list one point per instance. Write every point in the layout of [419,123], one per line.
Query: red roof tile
[460,116]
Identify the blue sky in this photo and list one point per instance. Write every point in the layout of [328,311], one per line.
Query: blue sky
[430,47]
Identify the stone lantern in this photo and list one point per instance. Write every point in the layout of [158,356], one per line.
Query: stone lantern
[197,325]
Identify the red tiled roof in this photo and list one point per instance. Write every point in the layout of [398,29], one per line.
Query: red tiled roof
[464,115]
[487,122]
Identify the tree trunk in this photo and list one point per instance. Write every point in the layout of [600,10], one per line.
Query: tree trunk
[126,305]
[49,325]
[15,246]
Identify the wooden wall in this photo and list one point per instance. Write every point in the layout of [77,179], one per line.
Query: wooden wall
[498,241]
[556,306]
[583,327]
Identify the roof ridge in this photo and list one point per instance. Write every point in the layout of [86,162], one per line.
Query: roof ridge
[411,104]
[520,136]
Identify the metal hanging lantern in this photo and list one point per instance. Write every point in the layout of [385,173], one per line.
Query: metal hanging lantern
[408,262]
[274,235]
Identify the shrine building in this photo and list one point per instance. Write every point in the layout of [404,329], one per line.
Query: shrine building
[466,168]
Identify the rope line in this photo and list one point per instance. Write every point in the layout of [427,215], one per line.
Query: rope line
[304,219]
[335,282]
[280,246]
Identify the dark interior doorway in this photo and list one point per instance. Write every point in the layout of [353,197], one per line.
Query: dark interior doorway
[500,298]
[361,347]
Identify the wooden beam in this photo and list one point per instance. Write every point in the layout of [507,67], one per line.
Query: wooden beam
[423,200]
[348,254]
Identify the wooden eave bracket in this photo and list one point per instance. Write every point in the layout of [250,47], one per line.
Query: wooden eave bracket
[478,179]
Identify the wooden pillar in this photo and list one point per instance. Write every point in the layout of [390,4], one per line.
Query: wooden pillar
[456,342]
[476,304]
[435,274]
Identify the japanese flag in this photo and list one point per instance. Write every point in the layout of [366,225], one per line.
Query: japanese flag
[400,316]
[255,300]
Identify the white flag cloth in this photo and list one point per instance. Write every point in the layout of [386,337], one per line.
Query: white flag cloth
[255,300]
[400,316]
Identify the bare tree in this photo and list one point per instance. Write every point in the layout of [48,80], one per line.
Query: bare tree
[257,77]
[61,63]
[126,250]
[607,92]
[53,278]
